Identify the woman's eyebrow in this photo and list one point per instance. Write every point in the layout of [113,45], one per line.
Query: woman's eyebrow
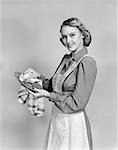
[68,33]
[72,32]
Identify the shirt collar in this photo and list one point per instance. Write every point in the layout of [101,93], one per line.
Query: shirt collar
[77,55]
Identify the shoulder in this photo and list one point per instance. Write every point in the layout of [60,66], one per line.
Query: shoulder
[89,63]
[66,56]
[89,60]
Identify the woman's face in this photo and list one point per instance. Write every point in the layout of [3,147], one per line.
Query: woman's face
[72,38]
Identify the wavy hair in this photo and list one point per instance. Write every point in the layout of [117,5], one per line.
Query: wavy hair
[75,22]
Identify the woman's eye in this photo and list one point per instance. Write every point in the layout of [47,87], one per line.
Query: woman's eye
[72,35]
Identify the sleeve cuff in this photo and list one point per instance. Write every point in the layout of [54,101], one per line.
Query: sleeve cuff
[56,97]
[53,96]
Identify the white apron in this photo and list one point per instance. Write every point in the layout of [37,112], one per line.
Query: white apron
[68,132]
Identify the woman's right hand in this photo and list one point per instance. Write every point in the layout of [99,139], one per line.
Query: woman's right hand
[40,93]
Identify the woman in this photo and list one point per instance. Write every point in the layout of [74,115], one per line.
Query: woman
[69,89]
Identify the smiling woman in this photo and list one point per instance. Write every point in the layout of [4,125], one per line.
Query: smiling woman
[78,31]
[71,38]
[69,90]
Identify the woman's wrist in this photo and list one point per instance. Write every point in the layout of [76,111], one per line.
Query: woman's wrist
[47,94]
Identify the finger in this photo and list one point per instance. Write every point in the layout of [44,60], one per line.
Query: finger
[38,94]
[31,92]
[38,90]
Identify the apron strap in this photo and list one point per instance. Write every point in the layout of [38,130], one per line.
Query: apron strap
[72,67]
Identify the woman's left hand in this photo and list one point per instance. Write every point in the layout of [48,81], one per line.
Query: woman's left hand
[40,93]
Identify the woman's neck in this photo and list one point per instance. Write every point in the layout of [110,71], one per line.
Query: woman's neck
[79,48]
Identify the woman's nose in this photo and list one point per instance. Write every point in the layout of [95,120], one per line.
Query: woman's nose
[68,39]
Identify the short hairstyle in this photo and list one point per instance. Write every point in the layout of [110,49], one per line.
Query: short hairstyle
[75,22]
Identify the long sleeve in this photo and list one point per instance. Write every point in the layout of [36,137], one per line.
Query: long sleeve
[77,100]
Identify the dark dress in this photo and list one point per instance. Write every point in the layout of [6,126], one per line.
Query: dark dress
[69,125]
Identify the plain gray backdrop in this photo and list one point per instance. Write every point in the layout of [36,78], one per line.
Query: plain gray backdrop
[30,38]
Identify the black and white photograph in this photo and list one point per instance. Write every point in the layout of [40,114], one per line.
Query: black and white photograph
[58,75]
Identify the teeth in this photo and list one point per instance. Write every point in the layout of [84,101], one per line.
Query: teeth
[70,45]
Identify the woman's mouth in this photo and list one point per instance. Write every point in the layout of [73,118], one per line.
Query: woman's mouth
[70,45]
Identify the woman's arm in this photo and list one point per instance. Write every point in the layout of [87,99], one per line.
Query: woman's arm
[78,99]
